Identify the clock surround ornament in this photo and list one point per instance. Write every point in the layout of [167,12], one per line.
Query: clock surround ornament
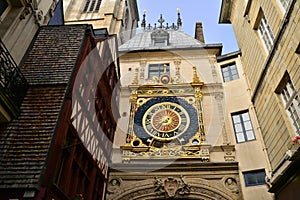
[166,122]
[165,119]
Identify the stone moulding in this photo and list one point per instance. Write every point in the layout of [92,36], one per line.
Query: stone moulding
[186,188]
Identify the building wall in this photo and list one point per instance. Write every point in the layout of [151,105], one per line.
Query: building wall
[282,58]
[251,155]
[119,17]
[220,100]
[267,72]
[20,22]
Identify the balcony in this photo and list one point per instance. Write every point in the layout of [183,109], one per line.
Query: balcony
[13,86]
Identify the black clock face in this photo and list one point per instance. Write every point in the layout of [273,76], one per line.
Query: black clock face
[164,119]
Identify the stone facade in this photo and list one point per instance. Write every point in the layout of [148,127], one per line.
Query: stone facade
[219,100]
[270,63]
[118,16]
[195,180]
[20,21]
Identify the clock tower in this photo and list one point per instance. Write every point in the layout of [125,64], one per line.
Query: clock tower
[166,121]
[171,141]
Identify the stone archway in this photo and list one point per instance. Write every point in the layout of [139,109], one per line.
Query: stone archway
[189,188]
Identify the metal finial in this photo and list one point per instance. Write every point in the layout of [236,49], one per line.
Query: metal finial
[195,75]
[144,20]
[165,69]
[179,22]
[161,21]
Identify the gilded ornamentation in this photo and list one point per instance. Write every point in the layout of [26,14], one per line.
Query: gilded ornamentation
[195,76]
[166,122]
[197,151]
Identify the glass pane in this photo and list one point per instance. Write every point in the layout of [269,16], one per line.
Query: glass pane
[226,79]
[248,125]
[251,179]
[225,74]
[240,137]
[236,76]
[236,118]
[233,67]
[246,116]
[250,135]
[224,69]
[238,128]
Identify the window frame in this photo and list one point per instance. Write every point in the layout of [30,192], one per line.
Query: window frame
[254,174]
[160,70]
[291,102]
[91,6]
[242,123]
[230,71]
[285,4]
[265,33]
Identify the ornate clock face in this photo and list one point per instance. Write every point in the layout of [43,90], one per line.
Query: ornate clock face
[164,119]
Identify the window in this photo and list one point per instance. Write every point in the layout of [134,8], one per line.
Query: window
[92,5]
[229,72]
[292,105]
[265,33]
[243,127]
[256,177]
[285,3]
[158,70]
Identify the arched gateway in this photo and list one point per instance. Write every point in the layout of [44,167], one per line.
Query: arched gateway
[214,181]
[202,190]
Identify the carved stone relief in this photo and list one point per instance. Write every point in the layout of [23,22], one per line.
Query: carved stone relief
[171,187]
[174,187]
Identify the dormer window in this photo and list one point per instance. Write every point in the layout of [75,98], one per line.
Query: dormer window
[160,38]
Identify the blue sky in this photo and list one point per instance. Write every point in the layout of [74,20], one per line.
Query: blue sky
[192,11]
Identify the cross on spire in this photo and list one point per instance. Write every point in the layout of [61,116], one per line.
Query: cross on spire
[161,21]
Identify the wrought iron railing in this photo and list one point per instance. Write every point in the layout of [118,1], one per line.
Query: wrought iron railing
[13,85]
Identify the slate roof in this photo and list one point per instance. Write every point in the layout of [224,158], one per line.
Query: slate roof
[25,142]
[177,40]
[54,54]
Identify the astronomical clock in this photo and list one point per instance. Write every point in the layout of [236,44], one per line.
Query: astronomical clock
[166,121]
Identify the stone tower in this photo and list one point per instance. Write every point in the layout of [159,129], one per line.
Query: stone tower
[170,142]
[118,16]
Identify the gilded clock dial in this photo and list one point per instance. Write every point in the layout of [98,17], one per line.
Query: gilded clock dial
[165,120]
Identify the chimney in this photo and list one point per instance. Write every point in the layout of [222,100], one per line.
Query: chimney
[199,32]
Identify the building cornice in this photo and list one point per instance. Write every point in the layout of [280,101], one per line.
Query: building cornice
[225,11]
[229,56]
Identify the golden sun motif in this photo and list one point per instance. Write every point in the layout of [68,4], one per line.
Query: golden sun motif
[166,120]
